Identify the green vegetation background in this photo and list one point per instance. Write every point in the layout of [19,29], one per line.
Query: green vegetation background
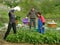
[48,8]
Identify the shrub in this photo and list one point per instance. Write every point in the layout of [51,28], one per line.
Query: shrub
[1,24]
[17,18]
[11,3]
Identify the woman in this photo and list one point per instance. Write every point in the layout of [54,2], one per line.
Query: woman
[11,23]
[41,22]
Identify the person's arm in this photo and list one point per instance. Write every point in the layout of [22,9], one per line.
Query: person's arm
[43,20]
[36,13]
[10,18]
[28,14]
[9,15]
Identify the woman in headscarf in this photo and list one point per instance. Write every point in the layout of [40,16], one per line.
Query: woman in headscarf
[41,23]
[11,23]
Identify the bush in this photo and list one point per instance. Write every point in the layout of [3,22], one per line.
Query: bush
[17,18]
[25,36]
[1,24]
[11,3]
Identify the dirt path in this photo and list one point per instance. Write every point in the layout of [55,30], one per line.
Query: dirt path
[2,42]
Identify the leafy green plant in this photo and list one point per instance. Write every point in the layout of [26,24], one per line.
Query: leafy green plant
[11,3]
[26,36]
[17,18]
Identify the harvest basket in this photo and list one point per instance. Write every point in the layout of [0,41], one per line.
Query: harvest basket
[52,25]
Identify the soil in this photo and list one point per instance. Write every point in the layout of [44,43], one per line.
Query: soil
[3,42]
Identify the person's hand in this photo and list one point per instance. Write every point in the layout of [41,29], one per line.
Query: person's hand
[44,23]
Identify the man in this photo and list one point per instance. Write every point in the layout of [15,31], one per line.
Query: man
[32,16]
[11,23]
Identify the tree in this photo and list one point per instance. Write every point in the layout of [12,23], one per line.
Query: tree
[11,3]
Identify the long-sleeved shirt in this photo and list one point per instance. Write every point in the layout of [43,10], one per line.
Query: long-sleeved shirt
[11,17]
[32,14]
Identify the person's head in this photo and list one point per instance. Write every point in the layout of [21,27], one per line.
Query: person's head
[12,11]
[32,9]
[38,14]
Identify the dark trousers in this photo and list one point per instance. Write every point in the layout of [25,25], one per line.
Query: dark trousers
[41,30]
[34,23]
[13,25]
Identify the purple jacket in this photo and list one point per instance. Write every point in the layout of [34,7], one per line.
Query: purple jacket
[11,17]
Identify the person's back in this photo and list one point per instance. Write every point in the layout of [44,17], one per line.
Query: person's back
[11,17]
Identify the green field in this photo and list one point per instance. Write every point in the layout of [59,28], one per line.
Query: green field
[32,36]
